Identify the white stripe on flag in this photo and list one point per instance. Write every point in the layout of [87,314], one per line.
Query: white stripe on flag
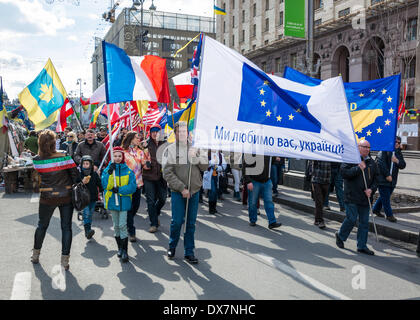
[143,89]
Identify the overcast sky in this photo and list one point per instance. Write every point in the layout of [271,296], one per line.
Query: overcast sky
[31,31]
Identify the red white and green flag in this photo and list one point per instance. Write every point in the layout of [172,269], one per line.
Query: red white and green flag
[55,164]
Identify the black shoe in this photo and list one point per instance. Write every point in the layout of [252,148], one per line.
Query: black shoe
[88,231]
[391,219]
[366,251]
[316,223]
[379,214]
[90,234]
[171,253]
[124,254]
[338,241]
[321,225]
[342,209]
[274,225]
[252,224]
[118,240]
[418,253]
[258,212]
[191,259]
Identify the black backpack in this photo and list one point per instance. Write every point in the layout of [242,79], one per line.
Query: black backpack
[80,196]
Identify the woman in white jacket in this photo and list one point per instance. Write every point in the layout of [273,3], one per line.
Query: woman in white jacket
[217,166]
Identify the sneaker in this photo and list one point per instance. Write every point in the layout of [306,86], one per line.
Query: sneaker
[90,234]
[338,241]
[274,225]
[379,214]
[366,251]
[191,259]
[391,219]
[321,225]
[153,229]
[132,238]
[252,224]
[171,253]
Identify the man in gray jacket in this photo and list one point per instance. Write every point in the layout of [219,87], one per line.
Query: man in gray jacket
[178,158]
[90,147]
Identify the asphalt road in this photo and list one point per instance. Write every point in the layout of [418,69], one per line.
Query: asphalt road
[236,261]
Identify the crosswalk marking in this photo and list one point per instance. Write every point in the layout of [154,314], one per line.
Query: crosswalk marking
[21,286]
[35,198]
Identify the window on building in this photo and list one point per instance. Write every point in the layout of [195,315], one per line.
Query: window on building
[412,29]
[318,4]
[224,26]
[254,30]
[254,10]
[233,40]
[224,6]
[409,102]
[243,35]
[277,65]
[264,66]
[232,4]
[265,42]
[267,24]
[233,21]
[167,44]
[317,22]
[343,12]
[267,5]
[254,47]
[243,16]
[293,60]
[281,21]
[410,68]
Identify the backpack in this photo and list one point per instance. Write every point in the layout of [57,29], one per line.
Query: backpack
[80,196]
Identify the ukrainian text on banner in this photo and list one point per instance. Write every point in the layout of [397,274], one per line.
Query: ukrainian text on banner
[373,107]
[242,109]
[294,18]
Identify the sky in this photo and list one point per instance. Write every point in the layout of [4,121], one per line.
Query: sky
[31,31]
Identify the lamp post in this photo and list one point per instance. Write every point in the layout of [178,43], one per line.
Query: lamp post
[135,5]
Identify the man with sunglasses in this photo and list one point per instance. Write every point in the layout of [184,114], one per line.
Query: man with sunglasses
[389,164]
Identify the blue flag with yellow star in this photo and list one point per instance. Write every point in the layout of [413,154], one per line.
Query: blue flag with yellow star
[43,98]
[373,107]
[263,102]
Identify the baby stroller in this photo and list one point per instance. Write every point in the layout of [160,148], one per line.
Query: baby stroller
[99,207]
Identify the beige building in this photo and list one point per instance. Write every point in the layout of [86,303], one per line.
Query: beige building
[166,33]
[357,39]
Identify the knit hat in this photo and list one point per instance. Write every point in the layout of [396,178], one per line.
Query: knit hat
[119,149]
[155,127]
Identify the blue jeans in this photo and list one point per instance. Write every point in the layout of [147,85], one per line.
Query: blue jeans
[45,213]
[178,204]
[352,211]
[337,182]
[88,212]
[214,191]
[275,171]
[265,191]
[384,200]
[135,204]
[119,219]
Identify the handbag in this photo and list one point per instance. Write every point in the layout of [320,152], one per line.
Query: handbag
[206,180]
[80,196]
[223,181]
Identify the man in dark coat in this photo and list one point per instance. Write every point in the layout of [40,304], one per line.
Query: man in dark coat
[90,147]
[389,164]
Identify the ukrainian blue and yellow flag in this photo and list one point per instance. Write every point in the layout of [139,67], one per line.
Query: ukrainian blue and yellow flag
[44,97]
[373,107]
[218,10]
[2,108]
[181,115]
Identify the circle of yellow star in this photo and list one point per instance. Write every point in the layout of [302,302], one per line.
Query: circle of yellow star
[262,92]
[279,118]
[266,82]
[383,91]
[298,110]
[372,91]
[391,110]
[361,95]
[268,113]
[263,103]
[369,133]
[387,122]
[379,130]
[291,116]
[389,99]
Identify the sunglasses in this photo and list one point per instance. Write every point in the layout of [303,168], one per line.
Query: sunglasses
[399,142]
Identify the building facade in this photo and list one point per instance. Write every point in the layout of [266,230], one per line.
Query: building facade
[357,39]
[163,34]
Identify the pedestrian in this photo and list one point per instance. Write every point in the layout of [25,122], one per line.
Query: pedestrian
[357,195]
[236,168]
[321,177]
[216,166]
[337,184]
[71,144]
[124,188]
[90,147]
[179,157]
[120,138]
[31,143]
[101,134]
[133,158]
[92,181]
[275,173]
[389,164]
[154,184]
[58,173]
[81,136]
[256,173]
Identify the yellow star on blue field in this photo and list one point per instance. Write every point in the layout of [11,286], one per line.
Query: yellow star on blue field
[263,103]
[389,99]
[266,82]
[387,122]
[268,113]
[279,118]
[379,130]
[291,116]
[391,110]
[369,133]
[361,95]
[372,91]
[383,91]
[298,110]
[262,92]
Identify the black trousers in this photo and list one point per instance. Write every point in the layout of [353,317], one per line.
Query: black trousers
[135,204]
[320,191]
[156,193]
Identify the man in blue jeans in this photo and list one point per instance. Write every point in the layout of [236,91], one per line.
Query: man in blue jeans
[389,165]
[178,158]
[357,197]
[256,173]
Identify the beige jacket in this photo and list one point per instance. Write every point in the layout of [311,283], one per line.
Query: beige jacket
[176,167]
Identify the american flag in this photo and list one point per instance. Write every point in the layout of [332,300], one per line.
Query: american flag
[195,62]
[153,116]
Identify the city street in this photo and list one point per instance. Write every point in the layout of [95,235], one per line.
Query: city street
[236,261]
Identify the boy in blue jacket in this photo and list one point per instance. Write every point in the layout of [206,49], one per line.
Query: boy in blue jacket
[124,188]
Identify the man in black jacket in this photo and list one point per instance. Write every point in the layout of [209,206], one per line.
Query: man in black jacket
[357,192]
[389,164]
[256,173]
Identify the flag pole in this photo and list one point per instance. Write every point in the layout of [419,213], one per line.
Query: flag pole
[370,207]
[131,120]
[111,142]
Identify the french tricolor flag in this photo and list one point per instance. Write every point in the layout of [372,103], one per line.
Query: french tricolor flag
[134,78]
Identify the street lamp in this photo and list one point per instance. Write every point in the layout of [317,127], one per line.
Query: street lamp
[135,5]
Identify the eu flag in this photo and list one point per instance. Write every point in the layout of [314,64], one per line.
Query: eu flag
[373,107]
[264,102]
